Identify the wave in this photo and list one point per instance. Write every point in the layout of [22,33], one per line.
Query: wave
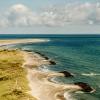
[44,68]
[90,74]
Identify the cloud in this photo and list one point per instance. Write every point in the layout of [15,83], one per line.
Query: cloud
[73,13]
[20,15]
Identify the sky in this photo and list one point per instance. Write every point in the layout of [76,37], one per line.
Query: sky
[49,16]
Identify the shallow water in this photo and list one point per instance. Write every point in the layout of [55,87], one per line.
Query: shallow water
[79,55]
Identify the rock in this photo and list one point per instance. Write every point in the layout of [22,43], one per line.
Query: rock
[46,58]
[39,53]
[85,87]
[27,50]
[52,62]
[66,74]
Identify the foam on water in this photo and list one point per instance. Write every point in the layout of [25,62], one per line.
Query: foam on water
[90,74]
[68,96]
[44,68]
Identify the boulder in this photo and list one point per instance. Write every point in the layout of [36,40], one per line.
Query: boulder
[27,50]
[66,74]
[85,87]
[46,58]
[52,62]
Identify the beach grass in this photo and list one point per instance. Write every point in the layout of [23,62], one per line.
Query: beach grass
[13,81]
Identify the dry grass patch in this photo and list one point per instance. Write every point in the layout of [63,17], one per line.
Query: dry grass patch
[13,82]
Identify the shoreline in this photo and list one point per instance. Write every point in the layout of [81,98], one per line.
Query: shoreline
[5,42]
[39,81]
[41,87]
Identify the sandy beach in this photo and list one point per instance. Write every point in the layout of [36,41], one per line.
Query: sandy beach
[22,41]
[41,88]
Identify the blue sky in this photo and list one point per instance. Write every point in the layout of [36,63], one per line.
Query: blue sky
[49,16]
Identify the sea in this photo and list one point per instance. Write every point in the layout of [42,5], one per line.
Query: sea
[77,54]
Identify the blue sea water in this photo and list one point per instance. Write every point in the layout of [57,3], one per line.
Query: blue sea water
[78,54]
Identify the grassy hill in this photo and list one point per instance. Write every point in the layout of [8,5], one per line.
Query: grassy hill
[13,82]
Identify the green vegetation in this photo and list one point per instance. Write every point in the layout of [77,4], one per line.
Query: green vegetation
[13,82]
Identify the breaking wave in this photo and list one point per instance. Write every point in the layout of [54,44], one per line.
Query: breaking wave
[90,74]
